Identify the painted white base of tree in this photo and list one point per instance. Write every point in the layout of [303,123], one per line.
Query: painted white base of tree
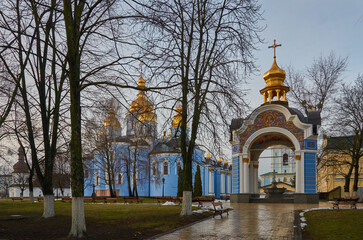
[31,196]
[354,194]
[78,228]
[48,206]
[346,194]
[187,204]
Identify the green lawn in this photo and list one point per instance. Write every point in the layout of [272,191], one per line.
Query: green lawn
[334,224]
[104,221]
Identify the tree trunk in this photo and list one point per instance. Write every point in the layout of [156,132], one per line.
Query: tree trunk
[30,182]
[31,197]
[356,177]
[48,206]
[187,204]
[78,228]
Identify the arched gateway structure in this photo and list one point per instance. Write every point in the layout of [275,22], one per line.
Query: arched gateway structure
[274,123]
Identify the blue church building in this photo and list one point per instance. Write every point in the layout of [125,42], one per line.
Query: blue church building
[140,163]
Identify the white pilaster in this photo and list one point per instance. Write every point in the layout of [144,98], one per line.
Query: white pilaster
[246,176]
[229,178]
[210,181]
[223,189]
[299,181]
[241,178]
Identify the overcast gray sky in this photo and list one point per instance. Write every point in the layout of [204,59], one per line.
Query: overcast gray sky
[306,29]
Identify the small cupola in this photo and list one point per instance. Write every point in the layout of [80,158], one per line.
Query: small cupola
[274,79]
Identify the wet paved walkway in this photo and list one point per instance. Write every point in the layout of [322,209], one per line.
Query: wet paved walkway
[246,221]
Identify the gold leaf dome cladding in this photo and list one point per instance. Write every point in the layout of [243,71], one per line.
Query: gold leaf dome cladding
[111,119]
[274,79]
[178,117]
[142,105]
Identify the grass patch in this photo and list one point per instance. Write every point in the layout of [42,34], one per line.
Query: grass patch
[334,224]
[104,221]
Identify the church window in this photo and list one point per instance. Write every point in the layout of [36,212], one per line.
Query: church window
[285,159]
[97,180]
[285,171]
[154,168]
[166,168]
[285,179]
[178,166]
[119,178]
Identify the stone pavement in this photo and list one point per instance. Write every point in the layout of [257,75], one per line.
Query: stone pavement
[246,221]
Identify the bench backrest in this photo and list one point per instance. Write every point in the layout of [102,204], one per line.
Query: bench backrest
[216,204]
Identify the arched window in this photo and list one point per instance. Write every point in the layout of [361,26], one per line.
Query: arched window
[178,166]
[166,168]
[285,179]
[97,180]
[154,168]
[119,178]
[285,159]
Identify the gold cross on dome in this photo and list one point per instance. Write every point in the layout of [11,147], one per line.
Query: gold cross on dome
[274,47]
[141,67]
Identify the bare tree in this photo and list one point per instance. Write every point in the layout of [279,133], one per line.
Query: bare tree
[348,124]
[33,61]
[315,88]
[201,47]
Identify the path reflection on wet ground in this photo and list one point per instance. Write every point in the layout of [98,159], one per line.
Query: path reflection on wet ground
[247,221]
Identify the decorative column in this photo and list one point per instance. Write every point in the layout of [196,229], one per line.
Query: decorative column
[299,175]
[255,174]
[246,176]
[241,175]
[229,183]
[223,184]
[211,182]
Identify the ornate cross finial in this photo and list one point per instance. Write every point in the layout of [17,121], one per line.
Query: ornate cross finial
[274,47]
[141,67]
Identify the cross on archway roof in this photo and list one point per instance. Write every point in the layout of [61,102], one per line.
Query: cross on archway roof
[274,46]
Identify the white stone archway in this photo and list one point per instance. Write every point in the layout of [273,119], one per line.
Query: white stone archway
[248,186]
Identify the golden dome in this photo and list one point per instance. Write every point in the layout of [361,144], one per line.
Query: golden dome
[275,76]
[225,161]
[219,159]
[111,119]
[141,104]
[208,155]
[274,79]
[147,116]
[178,117]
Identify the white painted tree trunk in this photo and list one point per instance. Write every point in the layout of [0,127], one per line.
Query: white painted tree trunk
[31,196]
[48,206]
[354,194]
[78,228]
[346,194]
[187,204]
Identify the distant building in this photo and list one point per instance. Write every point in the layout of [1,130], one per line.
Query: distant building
[333,166]
[283,163]
[19,186]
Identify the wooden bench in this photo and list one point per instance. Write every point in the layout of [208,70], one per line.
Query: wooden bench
[66,199]
[109,199]
[17,199]
[219,210]
[39,199]
[131,199]
[204,199]
[352,201]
